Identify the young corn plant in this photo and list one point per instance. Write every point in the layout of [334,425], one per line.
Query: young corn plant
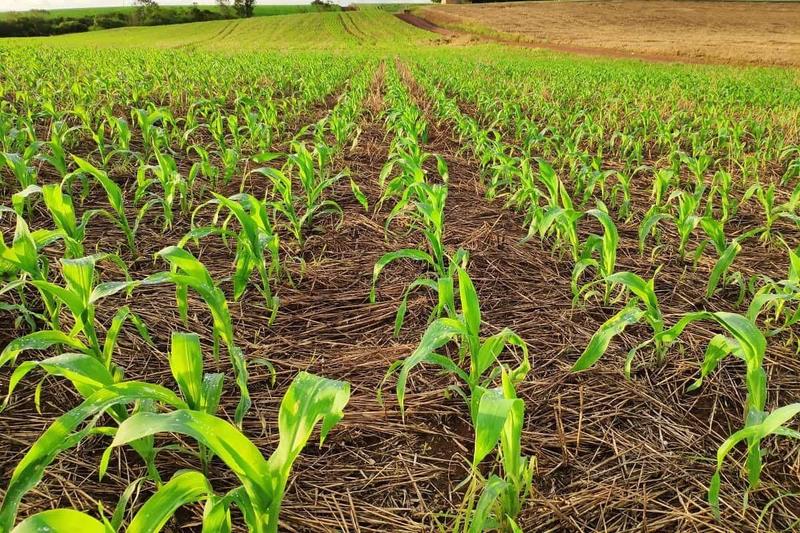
[21,164]
[69,430]
[745,341]
[621,194]
[775,299]
[310,399]
[187,272]
[663,180]
[116,199]
[685,217]
[773,210]
[23,261]
[722,188]
[606,247]
[257,245]
[425,205]
[727,251]
[173,185]
[57,156]
[773,423]
[500,417]
[559,216]
[80,294]
[313,173]
[314,176]
[62,212]
[643,306]
[481,353]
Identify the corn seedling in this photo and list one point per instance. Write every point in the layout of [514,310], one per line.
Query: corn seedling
[775,300]
[644,306]
[311,170]
[427,215]
[62,212]
[773,211]
[744,340]
[606,247]
[80,295]
[23,260]
[500,418]
[482,354]
[257,245]
[186,272]
[173,185]
[117,215]
[309,400]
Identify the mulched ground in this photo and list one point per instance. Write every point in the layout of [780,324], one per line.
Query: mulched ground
[613,454]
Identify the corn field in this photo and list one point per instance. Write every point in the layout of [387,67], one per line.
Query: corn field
[498,289]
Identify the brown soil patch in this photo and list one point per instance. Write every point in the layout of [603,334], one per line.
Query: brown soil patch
[765,33]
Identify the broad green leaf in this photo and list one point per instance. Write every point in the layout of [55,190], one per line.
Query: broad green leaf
[439,333]
[184,487]
[481,518]
[601,339]
[493,414]
[470,306]
[61,521]
[223,439]
[186,364]
[86,372]
[39,340]
[721,266]
[62,435]
[718,348]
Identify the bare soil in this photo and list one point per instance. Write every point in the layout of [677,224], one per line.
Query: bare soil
[763,33]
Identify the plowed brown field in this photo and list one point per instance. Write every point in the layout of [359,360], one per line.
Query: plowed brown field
[730,32]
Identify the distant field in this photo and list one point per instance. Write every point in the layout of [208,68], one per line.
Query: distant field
[741,32]
[260,11]
[343,29]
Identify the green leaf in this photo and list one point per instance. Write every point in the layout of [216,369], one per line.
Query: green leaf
[221,437]
[438,333]
[85,372]
[481,521]
[754,434]
[186,364]
[39,340]
[406,253]
[601,339]
[493,414]
[184,487]
[360,196]
[721,266]
[61,521]
[470,305]
[718,348]
[61,435]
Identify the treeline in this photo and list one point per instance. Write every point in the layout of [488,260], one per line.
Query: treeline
[40,23]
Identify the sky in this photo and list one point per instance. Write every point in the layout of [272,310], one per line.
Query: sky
[23,5]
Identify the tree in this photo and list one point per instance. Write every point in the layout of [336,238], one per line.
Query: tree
[244,8]
[225,8]
[145,9]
